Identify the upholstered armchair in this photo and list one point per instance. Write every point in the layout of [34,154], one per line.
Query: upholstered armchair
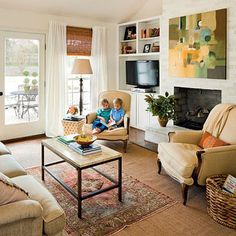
[187,163]
[118,134]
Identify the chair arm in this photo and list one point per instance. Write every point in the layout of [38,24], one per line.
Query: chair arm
[191,137]
[90,117]
[127,122]
[217,160]
[20,210]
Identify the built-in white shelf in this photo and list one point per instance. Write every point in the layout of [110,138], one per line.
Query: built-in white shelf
[150,39]
[128,40]
[140,54]
[147,29]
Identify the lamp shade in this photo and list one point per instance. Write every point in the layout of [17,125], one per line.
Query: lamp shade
[82,67]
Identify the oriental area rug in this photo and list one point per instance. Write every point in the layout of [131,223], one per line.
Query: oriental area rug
[102,214]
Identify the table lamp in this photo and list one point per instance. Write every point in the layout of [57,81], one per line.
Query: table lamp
[81,67]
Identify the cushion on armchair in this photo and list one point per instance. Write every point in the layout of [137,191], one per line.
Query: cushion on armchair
[209,141]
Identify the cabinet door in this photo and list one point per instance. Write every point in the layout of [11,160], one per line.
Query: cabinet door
[142,114]
[133,110]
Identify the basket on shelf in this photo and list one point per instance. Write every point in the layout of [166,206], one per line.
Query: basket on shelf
[72,127]
[221,206]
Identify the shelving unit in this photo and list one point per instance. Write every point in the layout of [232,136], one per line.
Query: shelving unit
[140,118]
[146,32]
[136,45]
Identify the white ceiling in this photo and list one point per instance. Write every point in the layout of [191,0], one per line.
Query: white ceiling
[103,10]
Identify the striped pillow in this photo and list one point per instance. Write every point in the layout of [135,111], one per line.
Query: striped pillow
[209,141]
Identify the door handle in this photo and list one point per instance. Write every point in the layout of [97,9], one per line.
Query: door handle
[1,93]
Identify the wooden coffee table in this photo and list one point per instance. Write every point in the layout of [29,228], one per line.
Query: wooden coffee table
[80,163]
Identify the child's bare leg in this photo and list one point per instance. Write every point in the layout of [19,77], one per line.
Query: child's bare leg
[96,131]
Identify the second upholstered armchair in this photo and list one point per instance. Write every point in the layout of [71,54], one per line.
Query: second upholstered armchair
[118,134]
[185,161]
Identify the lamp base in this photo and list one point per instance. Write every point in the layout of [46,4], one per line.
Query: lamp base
[81,96]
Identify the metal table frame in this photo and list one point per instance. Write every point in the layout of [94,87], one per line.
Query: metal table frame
[78,195]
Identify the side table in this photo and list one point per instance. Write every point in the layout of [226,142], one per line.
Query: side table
[72,127]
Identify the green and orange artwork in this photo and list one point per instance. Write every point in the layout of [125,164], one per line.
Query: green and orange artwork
[197,45]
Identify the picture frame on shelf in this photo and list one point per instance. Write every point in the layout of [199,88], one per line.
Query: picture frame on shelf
[147,48]
[130,33]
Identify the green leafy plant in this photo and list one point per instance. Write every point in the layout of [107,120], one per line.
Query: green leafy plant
[163,106]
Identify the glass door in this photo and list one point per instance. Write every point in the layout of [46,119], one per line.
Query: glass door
[21,84]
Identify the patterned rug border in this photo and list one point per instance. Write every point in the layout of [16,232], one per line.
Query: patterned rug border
[141,218]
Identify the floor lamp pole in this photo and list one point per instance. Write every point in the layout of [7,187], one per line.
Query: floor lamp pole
[81,96]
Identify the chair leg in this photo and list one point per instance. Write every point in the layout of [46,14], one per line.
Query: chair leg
[185,188]
[158,166]
[125,145]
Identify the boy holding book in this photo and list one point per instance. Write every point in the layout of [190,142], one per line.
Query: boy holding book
[102,117]
[117,114]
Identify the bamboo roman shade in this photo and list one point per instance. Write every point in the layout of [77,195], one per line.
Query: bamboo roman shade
[79,41]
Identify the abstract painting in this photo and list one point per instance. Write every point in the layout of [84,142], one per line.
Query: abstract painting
[197,45]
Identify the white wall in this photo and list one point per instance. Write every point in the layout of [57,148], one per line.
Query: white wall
[34,22]
[149,9]
[186,7]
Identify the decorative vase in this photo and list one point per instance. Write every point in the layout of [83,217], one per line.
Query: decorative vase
[162,121]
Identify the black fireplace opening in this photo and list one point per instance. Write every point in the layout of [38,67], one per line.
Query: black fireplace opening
[194,105]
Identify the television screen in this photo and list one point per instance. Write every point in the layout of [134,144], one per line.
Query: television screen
[142,73]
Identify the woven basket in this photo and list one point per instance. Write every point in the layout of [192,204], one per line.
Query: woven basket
[72,127]
[221,206]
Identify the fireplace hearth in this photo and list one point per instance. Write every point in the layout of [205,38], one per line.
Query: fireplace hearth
[194,105]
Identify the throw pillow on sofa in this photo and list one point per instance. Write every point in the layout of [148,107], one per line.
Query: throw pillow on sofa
[10,192]
[209,141]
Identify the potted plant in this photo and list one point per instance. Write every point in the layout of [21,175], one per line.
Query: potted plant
[26,81]
[163,107]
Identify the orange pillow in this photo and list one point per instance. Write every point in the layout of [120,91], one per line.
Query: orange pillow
[208,141]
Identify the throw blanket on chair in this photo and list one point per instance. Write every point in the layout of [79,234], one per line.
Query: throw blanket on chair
[217,119]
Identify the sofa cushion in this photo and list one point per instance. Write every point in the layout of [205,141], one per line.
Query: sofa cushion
[10,192]
[179,156]
[53,215]
[10,167]
[4,149]
[209,141]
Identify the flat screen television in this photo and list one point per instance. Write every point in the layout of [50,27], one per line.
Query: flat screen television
[142,73]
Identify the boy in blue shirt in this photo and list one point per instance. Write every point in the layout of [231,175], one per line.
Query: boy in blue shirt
[117,114]
[102,115]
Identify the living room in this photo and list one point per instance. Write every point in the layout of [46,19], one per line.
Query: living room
[165,166]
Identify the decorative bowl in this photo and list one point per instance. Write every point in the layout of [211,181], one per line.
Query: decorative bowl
[85,140]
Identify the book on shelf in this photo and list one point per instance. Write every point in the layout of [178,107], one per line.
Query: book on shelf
[91,149]
[230,185]
[67,139]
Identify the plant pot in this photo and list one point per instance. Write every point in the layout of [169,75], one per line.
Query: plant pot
[162,121]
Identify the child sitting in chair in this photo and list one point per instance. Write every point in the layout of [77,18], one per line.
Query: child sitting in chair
[117,114]
[102,117]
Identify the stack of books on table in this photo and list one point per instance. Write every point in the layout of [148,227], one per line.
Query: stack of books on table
[91,149]
[67,139]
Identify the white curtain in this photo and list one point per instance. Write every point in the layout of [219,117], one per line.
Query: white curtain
[55,78]
[99,80]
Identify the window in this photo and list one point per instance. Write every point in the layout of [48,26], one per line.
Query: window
[79,42]
[73,93]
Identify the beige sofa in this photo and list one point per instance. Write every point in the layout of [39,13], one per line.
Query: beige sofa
[39,215]
[187,163]
[119,134]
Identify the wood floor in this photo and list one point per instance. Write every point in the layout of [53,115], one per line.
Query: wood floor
[141,164]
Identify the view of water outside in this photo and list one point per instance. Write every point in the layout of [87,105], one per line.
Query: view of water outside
[21,80]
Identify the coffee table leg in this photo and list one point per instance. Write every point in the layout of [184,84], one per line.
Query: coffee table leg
[120,179]
[79,184]
[42,155]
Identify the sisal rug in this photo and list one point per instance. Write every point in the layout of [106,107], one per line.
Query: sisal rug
[102,214]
